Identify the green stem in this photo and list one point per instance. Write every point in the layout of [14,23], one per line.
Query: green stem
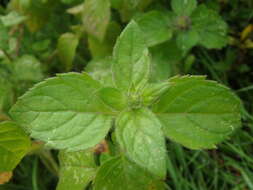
[7,55]
[48,160]
[34,174]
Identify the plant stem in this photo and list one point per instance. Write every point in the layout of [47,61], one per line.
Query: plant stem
[34,174]
[48,160]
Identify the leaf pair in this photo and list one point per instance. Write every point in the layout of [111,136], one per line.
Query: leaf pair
[75,112]
[191,24]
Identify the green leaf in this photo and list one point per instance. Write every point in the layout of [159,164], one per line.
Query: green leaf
[4,37]
[70,1]
[131,60]
[183,7]
[116,4]
[198,113]
[6,94]
[120,174]
[102,49]
[100,69]
[164,61]
[96,17]
[64,112]
[128,8]
[155,27]
[187,40]
[67,44]
[28,68]
[13,18]
[140,135]
[77,170]
[210,26]
[113,98]
[76,10]
[153,91]
[14,145]
[37,12]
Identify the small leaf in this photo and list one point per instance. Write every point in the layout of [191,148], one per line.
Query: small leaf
[102,49]
[131,60]
[119,173]
[13,18]
[77,169]
[198,113]
[65,112]
[4,37]
[78,9]
[187,40]
[96,17]
[155,27]
[67,44]
[141,71]
[128,8]
[6,94]
[100,69]
[164,61]
[14,145]
[139,134]
[28,68]
[183,7]
[113,98]
[210,26]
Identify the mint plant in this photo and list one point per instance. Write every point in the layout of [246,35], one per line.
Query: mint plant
[190,24]
[74,112]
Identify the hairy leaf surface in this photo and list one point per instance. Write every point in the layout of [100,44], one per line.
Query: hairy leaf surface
[113,98]
[140,135]
[131,60]
[198,113]
[77,169]
[64,112]
[120,174]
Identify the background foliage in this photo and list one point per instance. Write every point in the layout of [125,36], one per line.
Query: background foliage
[40,38]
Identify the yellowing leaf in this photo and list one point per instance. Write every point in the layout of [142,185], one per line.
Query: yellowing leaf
[246,31]
[5,177]
[96,17]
